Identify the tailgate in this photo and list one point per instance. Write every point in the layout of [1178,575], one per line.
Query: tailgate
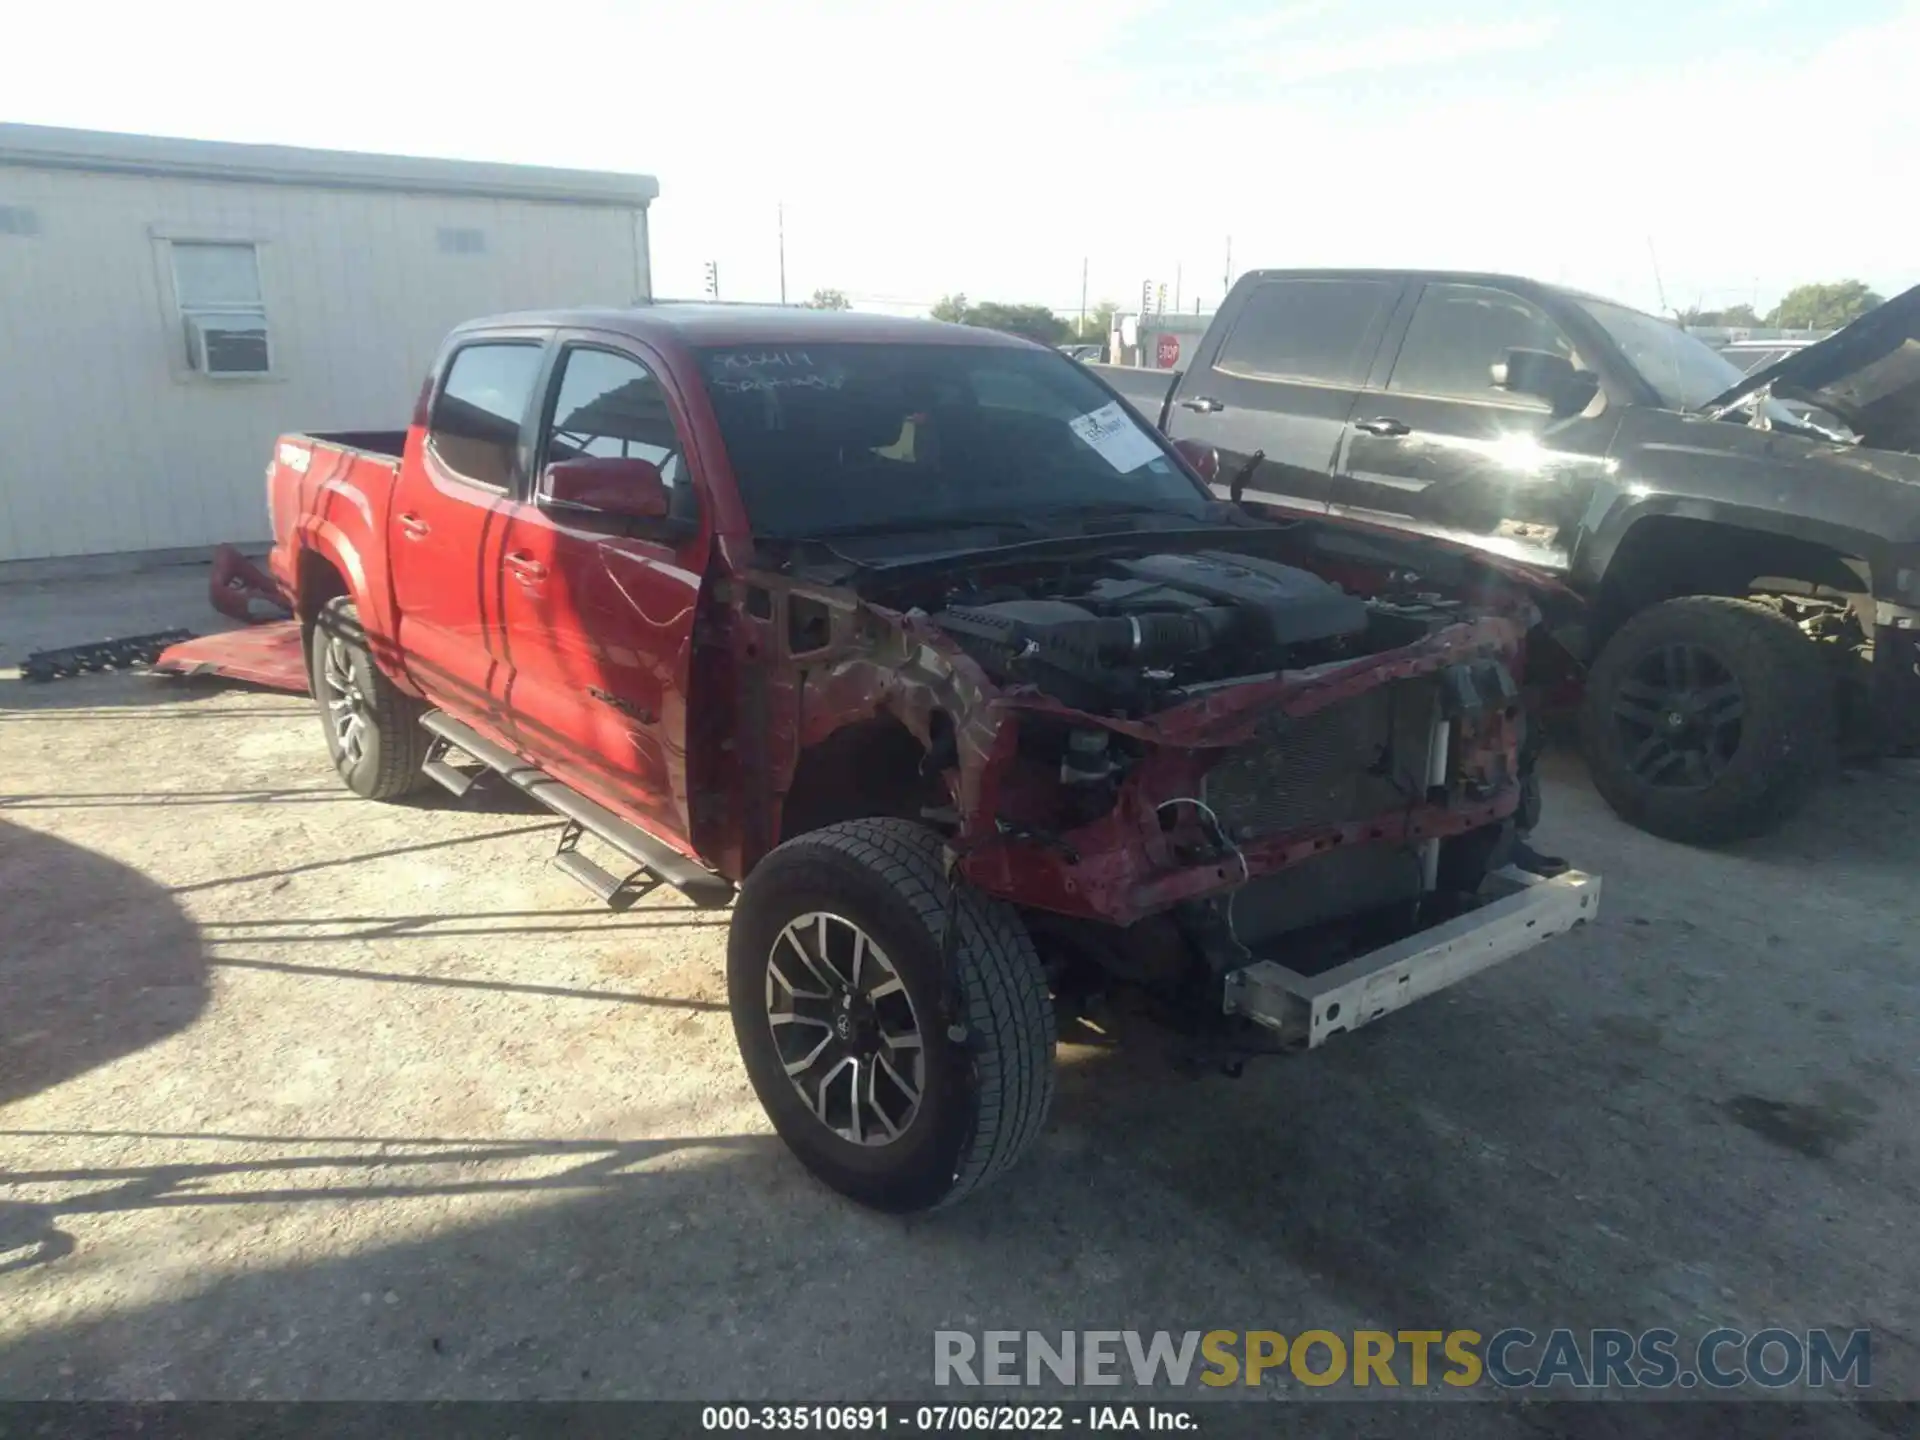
[272,655]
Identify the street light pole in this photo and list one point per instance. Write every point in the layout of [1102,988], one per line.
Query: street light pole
[781,212]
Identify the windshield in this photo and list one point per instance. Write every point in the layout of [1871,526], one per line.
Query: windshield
[1683,370]
[834,439]
[1686,373]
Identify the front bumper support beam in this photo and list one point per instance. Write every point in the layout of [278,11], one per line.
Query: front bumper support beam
[1308,1010]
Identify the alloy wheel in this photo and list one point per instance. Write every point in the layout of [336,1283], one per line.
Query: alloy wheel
[1677,714]
[344,700]
[845,1028]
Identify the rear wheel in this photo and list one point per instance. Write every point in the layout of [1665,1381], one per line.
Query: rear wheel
[897,1088]
[372,726]
[1708,719]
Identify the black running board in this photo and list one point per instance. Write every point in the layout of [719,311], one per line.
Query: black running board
[698,884]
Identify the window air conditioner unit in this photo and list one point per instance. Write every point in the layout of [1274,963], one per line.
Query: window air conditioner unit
[228,344]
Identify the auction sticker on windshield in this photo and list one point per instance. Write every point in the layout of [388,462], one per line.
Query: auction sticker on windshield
[1115,437]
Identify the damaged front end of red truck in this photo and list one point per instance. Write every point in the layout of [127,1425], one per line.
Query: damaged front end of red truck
[1191,763]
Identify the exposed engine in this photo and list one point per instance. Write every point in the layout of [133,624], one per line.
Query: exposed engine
[1121,636]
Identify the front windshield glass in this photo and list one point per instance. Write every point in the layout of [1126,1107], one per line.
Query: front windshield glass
[1683,370]
[835,439]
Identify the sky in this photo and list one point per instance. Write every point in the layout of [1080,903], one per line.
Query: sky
[1665,154]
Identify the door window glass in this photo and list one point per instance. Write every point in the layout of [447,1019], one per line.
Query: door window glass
[475,426]
[1322,330]
[1460,332]
[612,406]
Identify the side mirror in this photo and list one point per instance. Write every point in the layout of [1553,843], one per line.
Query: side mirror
[1547,376]
[1204,459]
[616,488]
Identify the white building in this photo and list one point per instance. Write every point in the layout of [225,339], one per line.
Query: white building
[168,306]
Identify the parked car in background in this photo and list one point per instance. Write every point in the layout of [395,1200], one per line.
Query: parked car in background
[1748,544]
[1751,355]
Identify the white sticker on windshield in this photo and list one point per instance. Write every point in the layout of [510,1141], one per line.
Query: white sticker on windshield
[1116,436]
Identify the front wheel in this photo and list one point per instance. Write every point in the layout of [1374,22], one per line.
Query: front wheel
[1708,719]
[372,726]
[899,1085]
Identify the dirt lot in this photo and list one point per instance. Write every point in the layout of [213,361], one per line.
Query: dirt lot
[302,1096]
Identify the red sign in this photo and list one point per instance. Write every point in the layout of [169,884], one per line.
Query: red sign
[1166,351]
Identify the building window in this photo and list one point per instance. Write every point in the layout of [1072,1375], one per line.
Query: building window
[18,220]
[217,286]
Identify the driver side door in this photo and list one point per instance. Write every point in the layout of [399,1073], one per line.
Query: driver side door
[598,611]
[1439,449]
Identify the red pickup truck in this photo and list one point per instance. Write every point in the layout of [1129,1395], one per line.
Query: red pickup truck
[960,674]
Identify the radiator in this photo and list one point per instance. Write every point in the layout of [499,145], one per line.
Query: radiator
[1352,760]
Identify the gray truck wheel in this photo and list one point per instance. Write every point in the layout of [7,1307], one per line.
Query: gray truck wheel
[878,1081]
[1708,719]
[372,727]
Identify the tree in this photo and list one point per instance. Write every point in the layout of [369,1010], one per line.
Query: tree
[1099,324]
[1732,318]
[1034,322]
[1823,307]
[829,300]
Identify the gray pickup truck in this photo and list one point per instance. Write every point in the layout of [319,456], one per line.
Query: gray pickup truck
[1748,545]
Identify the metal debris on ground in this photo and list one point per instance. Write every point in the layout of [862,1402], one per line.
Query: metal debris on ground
[119,654]
[236,583]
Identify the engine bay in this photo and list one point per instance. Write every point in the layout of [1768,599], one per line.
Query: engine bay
[1130,635]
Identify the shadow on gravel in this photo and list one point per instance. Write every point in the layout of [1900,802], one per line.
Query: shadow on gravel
[133,692]
[715,1269]
[96,961]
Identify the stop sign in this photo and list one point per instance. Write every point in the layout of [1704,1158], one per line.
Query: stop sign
[1166,351]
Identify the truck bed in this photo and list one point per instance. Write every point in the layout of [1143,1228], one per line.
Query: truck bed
[387,444]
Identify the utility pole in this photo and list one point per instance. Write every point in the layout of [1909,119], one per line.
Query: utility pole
[781,212]
[1226,279]
[1176,287]
[1083,297]
[713,279]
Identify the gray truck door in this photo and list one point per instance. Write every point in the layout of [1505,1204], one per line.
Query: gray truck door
[1281,377]
[1438,449]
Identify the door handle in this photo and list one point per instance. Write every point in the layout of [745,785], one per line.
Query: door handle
[412,526]
[1384,426]
[1205,404]
[528,569]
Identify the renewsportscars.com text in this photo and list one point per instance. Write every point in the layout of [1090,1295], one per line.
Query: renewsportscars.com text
[1512,1358]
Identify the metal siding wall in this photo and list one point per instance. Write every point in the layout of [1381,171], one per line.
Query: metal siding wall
[104,447]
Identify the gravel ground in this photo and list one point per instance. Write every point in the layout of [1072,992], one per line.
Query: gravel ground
[305,1097]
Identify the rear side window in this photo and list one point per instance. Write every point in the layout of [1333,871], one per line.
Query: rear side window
[475,426]
[1457,335]
[1322,330]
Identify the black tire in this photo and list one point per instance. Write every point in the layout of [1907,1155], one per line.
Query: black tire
[1783,744]
[988,1059]
[385,763]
